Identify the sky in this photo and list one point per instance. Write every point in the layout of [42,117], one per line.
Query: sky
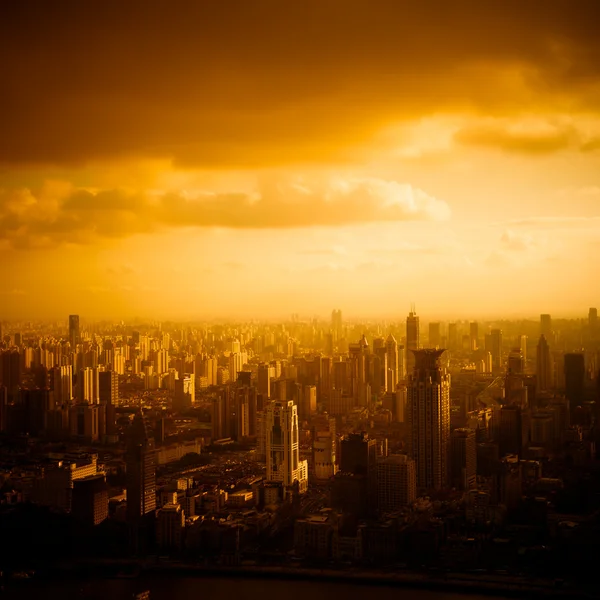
[254,159]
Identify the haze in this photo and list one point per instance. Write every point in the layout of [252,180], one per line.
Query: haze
[253,159]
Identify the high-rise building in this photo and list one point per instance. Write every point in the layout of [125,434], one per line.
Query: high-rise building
[392,376]
[108,388]
[74,335]
[463,459]
[428,416]
[543,365]
[574,382]
[474,336]
[412,339]
[170,524]
[453,337]
[593,323]
[88,385]
[496,349]
[62,384]
[337,325]
[546,326]
[90,500]
[435,335]
[141,472]
[10,370]
[396,482]
[84,422]
[308,404]
[185,392]
[282,446]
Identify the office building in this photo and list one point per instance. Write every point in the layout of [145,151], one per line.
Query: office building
[88,385]
[140,458]
[574,371]
[84,422]
[170,525]
[396,482]
[463,459]
[74,334]
[428,416]
[546,327]
[282,446]
[90,500]
[412,340]
[543,366]
[393,367]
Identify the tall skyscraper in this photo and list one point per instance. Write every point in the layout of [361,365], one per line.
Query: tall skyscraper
[496,348]
[337,325]
[74,335]
[391,350]
[574,381]
[543,365]
[282,446]
[428,417]
[412,339]
[546,326]
[140,460]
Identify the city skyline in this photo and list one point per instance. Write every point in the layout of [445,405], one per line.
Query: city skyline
[251,161]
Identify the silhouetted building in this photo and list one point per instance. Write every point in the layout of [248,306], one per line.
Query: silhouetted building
[74,335]
[428,417]
[90,500]
[574,382]
[543,365]
[140,482]
[396,482]
[463,459]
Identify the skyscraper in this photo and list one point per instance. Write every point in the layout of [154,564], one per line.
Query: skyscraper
[496,348]
[428,417]
[391,350]
[574,381]
[282,446]
[546,326]
[74,336]
[543,365]
[412,339]
[141,481]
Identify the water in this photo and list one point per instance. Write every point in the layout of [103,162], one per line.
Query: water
[168,587]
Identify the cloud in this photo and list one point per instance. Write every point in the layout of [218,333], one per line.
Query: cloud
[30,221]
[516,242]
[543,139]
[556,222]
[257,83]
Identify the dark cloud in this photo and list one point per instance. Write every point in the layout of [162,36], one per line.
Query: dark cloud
[238,83]
[27,221]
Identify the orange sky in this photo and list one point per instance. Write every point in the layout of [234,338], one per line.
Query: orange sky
[254,159]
